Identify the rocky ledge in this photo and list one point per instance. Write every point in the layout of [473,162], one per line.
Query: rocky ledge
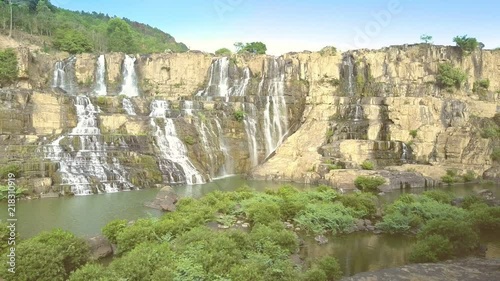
[470,269]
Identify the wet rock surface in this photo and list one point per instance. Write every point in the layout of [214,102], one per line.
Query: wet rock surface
[470,269]
[165,200]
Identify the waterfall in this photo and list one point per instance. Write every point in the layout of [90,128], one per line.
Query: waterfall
[405,153]
[173,153]
[250,123]
[128,106]
[221,83]
[357,113]
[81,154]
[348,70]
[64,75]
[188,107]
[275,112]
[129,86]
[100,77]
[228,167]
[82,166]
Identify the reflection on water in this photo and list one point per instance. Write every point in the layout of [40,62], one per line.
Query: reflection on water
[360,252]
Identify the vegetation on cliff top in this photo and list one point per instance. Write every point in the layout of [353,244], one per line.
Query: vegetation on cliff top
[8,67]
[78,32]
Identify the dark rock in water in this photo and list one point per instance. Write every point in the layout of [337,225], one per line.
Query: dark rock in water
[457,202]
[165,200]
[100,247]
[471,269]
[321,239]
[486,194]
[401,179]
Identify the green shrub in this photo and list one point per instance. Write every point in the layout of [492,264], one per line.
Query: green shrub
[274,233]
[469,176]
[72,41]
[449,76]
[263,209]
[495,155]
[328,51]
[314,274]
[335,167]
[467,44]
[92,271]
[481,85]
[368,183]
[490,132]
[470,200]
[367,165]
[329,133]
[433,248]
[413,133]
[10,169]
[223,52]
[239,115]
[8,67]
[113,228]
[363,203]
[461,234]
[325,217]
[439,196]
[331,267]
[450,177]
[484,217]
[141,231]
[189,140]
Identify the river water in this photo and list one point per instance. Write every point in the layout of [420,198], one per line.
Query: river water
[86,215]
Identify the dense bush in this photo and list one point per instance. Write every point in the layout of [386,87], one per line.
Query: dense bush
[72,41]
[92,271]
[439,195]
[112,229]
[448,76]
[495,155]
[368,183]
[8,67]
[410,212]
[223,52]
[481,85]
[433,248]
[363,203]
[325,217]
[9,169]
[450,177]
[467,44]
[49,256]
[239,115]
[485,218]
[367,165]
[254,47]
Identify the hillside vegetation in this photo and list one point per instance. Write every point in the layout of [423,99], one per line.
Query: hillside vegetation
[78,32]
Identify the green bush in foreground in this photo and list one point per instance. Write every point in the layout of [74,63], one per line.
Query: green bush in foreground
[368,183]
[433,248]
[367,165]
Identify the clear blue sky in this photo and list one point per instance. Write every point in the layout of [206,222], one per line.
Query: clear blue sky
[293,25]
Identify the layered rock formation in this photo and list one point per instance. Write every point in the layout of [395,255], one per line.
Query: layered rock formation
[197,117]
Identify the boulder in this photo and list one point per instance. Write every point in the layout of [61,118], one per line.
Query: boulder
[165,200]
[100,247]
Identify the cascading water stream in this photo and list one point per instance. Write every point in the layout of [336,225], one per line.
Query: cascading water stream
[100,77]
[81,154]
[129,86]
[220,84]
[250,122]
[348,65]
[175,163]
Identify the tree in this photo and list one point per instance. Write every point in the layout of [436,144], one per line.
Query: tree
[254,47]
[239,46]
[426,38]
[223,52]
[120,36]
[43,18]
[8,66]
[467,44]
[449,76]
[72,41]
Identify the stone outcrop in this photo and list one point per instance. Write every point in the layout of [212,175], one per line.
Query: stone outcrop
[381,106]
[165,200]
[471,269]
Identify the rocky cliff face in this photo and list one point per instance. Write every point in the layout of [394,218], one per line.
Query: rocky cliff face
[196,117]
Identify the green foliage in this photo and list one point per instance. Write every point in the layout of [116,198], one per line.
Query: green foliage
[363,203]
[120,36]
[467,44]
[92,271]
[263,209]
[112,229]
[433,248]
[239,115]
[471,200]
[49,256]
[450,177]
[253,48]
[448,76]
[469,176]
[335,167]
[18,192]
[8,67]
[10,169]
[367,165]
[223,52]
[189,140]
[410,212]
[426,39]
[368,183]
[491,132]
[495,155]
[72,41]
[141,231]
[331,267]
[481,85]
[328,51]
[413,133]
[320,218]
[439,196]
[485,218]
[329,133]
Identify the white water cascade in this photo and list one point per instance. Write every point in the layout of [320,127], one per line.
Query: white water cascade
[129,86]
[81,154]
[250,123]
[275,112]
[175,163]
[100,77]
[348,65]
[220,83]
